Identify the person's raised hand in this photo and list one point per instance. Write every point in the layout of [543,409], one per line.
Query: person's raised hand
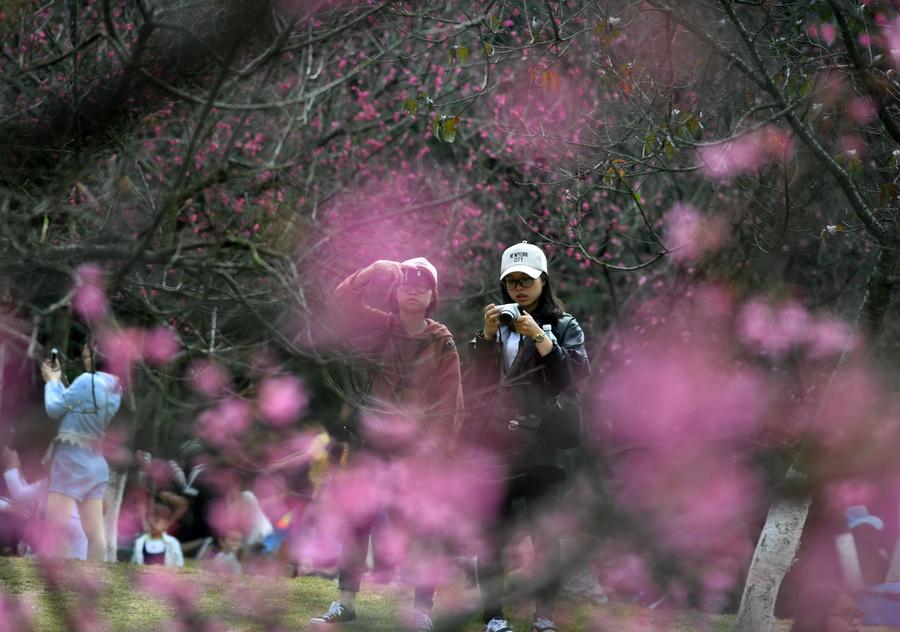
[9,459]
[50,371]
[390,270]
[491,321]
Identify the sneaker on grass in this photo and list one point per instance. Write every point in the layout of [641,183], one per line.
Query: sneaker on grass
[542,625]
[336,613]
[422,622]
[497,625]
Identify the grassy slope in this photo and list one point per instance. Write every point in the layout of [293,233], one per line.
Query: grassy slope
[279,603]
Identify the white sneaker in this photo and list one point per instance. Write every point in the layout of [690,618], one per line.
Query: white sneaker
[422,622]
[542,625]
[497,625]
[335,614]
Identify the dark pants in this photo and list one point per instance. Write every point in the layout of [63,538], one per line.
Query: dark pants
[540,490]
[353,564]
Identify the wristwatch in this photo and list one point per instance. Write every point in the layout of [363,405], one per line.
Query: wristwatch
[538,339]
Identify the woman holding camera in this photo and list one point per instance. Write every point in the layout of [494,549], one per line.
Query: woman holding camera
[528,360]
[78,472]
[416,381]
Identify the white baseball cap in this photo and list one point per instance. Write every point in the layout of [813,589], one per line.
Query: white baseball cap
[523,257]
[859,514]
[421,262]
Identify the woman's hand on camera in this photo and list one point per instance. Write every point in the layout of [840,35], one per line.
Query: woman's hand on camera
[526,325]
[50,371]
[9,460]
[491,321]
[383,270]
[388,268]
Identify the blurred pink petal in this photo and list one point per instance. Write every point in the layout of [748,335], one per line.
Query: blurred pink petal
[89,300]
[209,378]
[842,494]
[689,235]
[730,158]
[160,345]
[777,144]
[17,613]
[358,492]
[695,393]
[852,398]
[171,587]
[830,337]
[222,424]
[891,34]
[121,349]
[282,400]
[390,432]
[862,110]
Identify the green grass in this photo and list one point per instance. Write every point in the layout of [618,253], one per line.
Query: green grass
[259,603]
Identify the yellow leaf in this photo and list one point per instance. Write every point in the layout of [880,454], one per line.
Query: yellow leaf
[693,124]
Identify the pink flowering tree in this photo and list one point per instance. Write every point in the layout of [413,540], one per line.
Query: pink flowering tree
[706,180]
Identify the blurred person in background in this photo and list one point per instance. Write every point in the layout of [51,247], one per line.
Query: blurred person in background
[79,473]
[31,499]
[415,383]
[156,547]
[825,607]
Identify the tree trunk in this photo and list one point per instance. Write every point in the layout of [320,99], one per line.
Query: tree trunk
[112,503]
[774,555]
[780,538]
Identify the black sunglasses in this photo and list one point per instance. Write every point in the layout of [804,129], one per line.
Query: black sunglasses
[416,280]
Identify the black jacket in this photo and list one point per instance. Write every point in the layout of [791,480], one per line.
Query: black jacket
[507,414]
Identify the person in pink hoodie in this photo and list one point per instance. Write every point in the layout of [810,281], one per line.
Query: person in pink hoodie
[416,378]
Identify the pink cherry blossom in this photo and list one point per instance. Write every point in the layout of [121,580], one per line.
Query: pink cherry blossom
[121,349]
[17,613]
[209,378]
[862,110]
[777,330]
[390,431]
[89,300]
[695,393]
[223,423]
[843,493]
[689,235]
[160,345]
[360,491]
[282,400]
[891,34]
[730,158]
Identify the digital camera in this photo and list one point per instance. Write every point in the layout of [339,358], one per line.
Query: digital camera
[508,313]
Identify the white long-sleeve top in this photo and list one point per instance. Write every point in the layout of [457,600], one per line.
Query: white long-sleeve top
[173,553]
[86,406]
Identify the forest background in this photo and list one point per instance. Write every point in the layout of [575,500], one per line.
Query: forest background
[715,185]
